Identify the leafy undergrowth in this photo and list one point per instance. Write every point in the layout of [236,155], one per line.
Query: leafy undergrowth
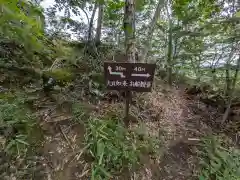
[217,161]
[154,146]
[16,123]
[113,148]
[160,115]
[20,138]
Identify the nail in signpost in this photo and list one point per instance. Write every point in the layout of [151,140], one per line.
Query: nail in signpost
[129,77]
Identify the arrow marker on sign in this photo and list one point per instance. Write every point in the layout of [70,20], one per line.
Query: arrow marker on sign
[115,73]
[141,75]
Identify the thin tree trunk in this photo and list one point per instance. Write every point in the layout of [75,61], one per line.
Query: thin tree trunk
[152,25]
[227,73]
[228,81]
[99,24]
[170,44]
[90,30]
[129,29]
[169,54]
[231,93]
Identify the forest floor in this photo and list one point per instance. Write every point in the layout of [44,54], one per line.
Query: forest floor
[177,119]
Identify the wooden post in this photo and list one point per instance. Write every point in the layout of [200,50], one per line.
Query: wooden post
[129,30]
[127,107]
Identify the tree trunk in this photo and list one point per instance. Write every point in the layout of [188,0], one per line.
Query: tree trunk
[231,92]
[169,54]
[129,29]
[91,23]
[99,24]
[152,25]
[227,74]
[228,80]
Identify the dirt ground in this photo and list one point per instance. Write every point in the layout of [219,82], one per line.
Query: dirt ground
[170,115]
[175,118]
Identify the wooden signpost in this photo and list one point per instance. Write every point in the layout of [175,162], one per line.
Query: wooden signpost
[129,77]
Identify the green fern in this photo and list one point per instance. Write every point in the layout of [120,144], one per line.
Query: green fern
[218,163]
[16,122]
[22,22]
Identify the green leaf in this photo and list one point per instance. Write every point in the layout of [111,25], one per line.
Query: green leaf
[100,148]
[202,178]
[10,145]
[93,174]
[104,172]
[140,5]
[22,142]
[237,14]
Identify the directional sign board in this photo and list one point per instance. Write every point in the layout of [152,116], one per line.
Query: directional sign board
[129,76]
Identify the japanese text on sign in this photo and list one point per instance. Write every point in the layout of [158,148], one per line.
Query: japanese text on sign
[143,84]
[129,76]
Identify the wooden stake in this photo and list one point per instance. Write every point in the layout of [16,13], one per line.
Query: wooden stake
[127,107]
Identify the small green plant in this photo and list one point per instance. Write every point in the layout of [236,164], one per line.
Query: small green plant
[96,85]
[16,123]
[63,76]
[112,147]
[217,162]
[80,112]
